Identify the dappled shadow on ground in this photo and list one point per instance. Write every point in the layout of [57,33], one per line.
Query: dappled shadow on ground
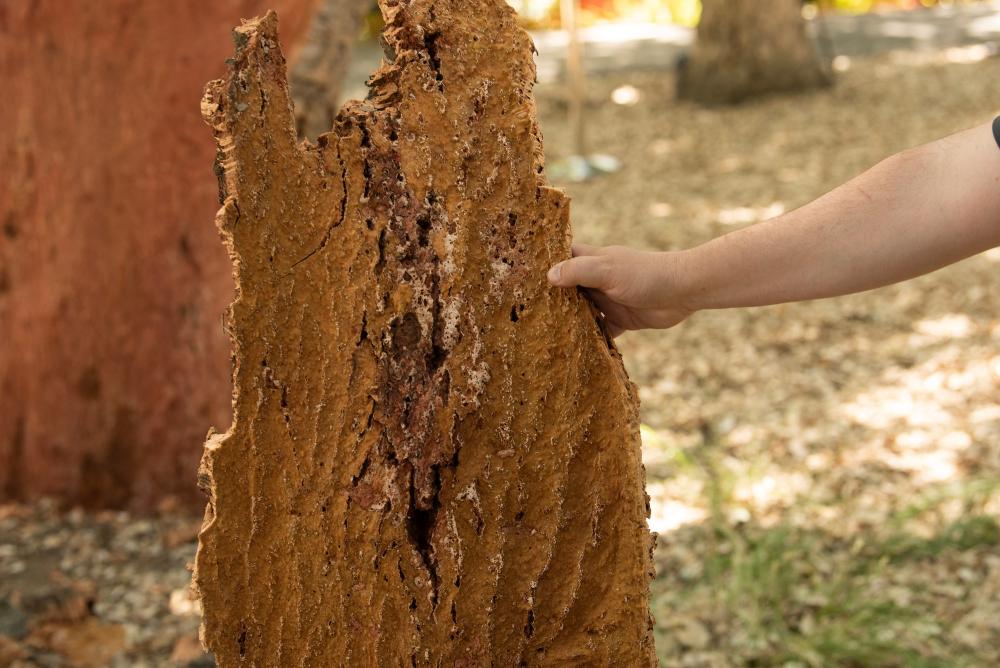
[809,438]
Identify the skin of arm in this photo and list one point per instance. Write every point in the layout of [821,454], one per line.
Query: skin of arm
[912,213]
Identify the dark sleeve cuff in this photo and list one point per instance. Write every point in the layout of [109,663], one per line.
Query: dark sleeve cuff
[996,129]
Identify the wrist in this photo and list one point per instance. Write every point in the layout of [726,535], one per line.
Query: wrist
[678,281]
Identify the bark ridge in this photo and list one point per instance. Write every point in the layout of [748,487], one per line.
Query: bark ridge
[434,458]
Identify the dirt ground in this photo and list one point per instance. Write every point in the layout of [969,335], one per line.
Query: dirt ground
[825,477]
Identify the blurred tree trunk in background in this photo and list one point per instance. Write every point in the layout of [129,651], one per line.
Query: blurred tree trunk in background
[319,70]
[747,48]
[113,362]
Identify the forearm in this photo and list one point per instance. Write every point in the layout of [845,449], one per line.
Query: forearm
[910,214]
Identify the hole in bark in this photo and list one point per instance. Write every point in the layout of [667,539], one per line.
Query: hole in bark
[364,469]
[438,355]
[369,223]
[381,251]
[241,640]
[10,228]
[513,314]
[363,335]
[185,248]
[89,385]
[420,525]
[430,43]
[519,516]
[405,332]
[424,227]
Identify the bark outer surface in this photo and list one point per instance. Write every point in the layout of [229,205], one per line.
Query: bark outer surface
[749,48]
[435,457]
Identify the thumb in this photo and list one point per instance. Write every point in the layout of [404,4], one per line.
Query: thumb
[588,271]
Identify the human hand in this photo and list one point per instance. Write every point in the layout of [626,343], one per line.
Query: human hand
[633,289]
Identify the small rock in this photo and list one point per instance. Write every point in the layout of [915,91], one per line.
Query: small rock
[13,622]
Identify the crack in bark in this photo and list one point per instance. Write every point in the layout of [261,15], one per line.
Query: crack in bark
[336,222]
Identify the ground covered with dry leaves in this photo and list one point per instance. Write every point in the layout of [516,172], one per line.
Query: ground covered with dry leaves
[825,477]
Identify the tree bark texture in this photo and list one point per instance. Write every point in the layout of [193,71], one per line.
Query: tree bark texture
[435,457]
[321,64]
[748,48]
[113,361]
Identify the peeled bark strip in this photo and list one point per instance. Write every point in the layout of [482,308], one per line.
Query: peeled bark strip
[435,457]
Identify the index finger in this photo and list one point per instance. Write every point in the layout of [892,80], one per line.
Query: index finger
[584,249]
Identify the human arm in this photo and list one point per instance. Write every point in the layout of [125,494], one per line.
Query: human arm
[914,212]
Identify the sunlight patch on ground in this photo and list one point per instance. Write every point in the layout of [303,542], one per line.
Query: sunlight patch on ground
[953,325]
[841,63]
[969,54]
[917,31]
[743,215]
[660,209]
[993,254]
[771,492]
[927,395]
[625,95]
[668,515]
[617,33]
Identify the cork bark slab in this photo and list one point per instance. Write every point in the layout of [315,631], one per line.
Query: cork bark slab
[434,459]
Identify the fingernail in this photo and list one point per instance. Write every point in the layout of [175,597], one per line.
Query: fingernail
[554,273]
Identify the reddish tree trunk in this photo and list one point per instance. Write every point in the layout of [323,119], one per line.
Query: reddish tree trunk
[113,362]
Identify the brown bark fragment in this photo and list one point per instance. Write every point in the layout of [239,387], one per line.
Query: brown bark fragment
[748,48]
[435,457]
